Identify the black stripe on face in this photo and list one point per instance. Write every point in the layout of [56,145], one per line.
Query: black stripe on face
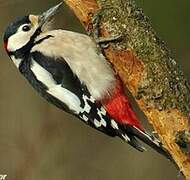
[41,40]
[24,52]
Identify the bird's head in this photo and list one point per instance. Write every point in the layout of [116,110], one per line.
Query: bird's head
[23,30]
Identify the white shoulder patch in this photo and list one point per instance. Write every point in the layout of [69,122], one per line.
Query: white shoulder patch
[62,94]
[66,96]
[80,52]
[42,75]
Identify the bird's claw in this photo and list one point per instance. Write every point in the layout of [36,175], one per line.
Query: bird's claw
[101,41]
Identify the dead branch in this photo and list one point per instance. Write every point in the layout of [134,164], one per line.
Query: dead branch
[147,68]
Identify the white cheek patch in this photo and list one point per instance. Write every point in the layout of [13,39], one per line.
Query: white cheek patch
[19,39]
[64,95]
[17,62]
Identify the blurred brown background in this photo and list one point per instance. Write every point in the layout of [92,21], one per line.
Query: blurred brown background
[41,142]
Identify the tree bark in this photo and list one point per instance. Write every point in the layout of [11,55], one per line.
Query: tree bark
[147,68]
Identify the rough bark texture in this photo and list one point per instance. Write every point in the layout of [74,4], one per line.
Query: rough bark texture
[147,68]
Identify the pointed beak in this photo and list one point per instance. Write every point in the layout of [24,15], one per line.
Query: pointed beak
[48,15]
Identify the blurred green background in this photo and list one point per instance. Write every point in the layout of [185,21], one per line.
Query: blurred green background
[41,142]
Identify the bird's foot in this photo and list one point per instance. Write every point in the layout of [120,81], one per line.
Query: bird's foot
[101,41]
[104,41]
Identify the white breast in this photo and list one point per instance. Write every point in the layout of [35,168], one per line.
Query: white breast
[80,52]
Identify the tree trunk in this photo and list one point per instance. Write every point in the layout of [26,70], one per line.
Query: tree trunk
[147,68]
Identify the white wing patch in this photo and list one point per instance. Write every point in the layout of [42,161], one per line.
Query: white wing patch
[85,118]
[80,53]
[42,75]
[64,95]
[87,106]
[97,123]
[114,124]
[103,111]
[102,121]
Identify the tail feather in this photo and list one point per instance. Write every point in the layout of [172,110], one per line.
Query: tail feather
[136,144]
[134,133]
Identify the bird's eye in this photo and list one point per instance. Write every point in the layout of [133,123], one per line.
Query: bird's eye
[26,28]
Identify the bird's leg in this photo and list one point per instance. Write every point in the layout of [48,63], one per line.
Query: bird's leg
[96,24]
[108,39]
[103,42]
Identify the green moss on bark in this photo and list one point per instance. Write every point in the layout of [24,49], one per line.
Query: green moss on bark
[163,85]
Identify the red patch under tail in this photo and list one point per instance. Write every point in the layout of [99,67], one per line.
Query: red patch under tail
[119,108]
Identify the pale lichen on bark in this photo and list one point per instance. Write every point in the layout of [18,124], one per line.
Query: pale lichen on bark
[163,84]
[147,68]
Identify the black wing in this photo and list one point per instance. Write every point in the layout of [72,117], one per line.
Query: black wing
[91,113]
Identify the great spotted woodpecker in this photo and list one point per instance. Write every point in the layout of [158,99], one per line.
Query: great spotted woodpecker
[67,70]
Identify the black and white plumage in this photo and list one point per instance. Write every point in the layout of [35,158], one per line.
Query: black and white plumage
[65,68]
[54,70]
[68,93]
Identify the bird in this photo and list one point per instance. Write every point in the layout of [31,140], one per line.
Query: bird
[67,69]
